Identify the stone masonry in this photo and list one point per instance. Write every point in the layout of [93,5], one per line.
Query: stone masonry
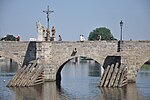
[55,54]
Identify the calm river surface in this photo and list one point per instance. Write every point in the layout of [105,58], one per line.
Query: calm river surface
[79,82]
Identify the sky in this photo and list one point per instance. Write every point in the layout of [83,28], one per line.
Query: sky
[74,17]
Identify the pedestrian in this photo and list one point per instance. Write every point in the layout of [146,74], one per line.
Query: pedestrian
[18,38]
[83,39]
[60,39]
[74,52]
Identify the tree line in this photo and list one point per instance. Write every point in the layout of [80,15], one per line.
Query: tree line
[9,38]
[102,32]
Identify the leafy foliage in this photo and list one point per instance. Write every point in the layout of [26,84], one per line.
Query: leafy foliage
[8,38]
[103,32]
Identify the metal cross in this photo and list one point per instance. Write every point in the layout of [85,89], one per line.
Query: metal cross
[48,12]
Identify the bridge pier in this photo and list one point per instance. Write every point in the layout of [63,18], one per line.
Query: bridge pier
[49,73]
[131,78]
[132,74]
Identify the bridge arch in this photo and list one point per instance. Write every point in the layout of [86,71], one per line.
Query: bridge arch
[10,56]
[146,62]
[134,58]
[140,65]
[143,73]
[58,72]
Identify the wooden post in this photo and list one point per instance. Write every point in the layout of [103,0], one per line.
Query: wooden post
[28,75]
[113,75]
[109,75]
[104,76]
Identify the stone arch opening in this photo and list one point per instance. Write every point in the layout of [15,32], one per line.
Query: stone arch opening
[143,76]
[140,66]
[144,66]
[10,56]
[8,66]
[143,63]
[58,73]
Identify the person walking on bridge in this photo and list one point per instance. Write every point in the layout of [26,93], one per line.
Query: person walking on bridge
[60,39]
[82,39]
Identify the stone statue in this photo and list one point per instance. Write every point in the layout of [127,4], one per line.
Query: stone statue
[53,33]
[47,34]
[40,31]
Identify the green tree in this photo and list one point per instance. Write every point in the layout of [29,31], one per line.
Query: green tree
[8,38]
[104,32]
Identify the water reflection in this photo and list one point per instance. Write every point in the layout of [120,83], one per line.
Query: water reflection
[79,82]
[143,83]
[27,93]
[129,92]
[49,91]
[6,66]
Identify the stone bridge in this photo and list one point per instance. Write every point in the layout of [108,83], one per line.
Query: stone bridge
[54,55]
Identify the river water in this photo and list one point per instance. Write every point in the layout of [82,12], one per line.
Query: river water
[79,82]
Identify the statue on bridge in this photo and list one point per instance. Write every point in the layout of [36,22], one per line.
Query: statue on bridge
[47,34]
[53,33]
[40,31]
[43,34]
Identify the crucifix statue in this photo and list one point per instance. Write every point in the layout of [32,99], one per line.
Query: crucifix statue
[48,31]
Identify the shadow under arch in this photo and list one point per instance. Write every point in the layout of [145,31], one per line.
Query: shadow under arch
[58,74]
[146,61]
[144,68]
